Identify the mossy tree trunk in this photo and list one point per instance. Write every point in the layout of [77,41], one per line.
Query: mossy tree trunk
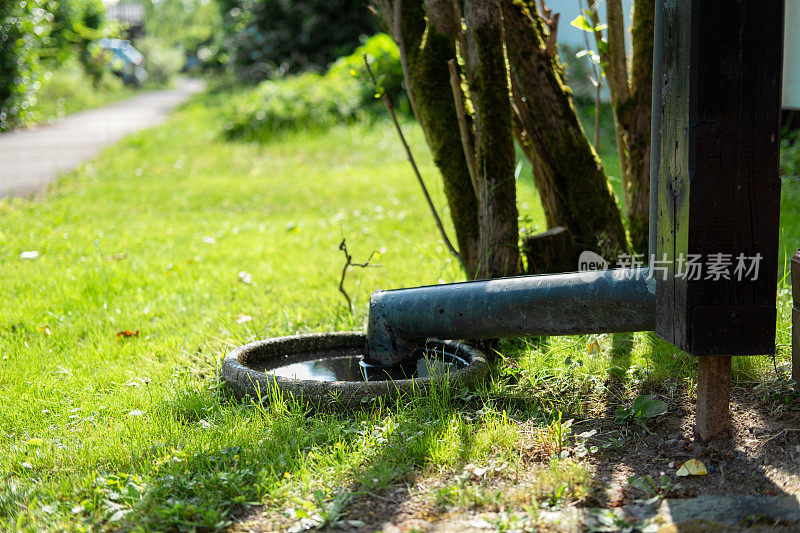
[530,100]
[574,188]
[634,118]
[494,139]
[631,96]
[426,48]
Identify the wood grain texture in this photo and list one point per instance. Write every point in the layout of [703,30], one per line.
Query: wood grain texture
[718,184]
[712,415]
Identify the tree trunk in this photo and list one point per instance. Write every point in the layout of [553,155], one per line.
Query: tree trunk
[635,118]
[494,140]
[576,192]
[616,69]
[426,49]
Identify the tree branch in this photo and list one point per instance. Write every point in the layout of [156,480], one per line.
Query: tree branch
[349,263]
[390,108]
[466,141]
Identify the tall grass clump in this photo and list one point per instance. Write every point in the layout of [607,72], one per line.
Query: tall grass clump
[790,154]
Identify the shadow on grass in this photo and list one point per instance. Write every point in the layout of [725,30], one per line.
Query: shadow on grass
[383,451]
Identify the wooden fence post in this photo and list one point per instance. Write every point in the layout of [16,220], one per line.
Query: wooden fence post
[717,186]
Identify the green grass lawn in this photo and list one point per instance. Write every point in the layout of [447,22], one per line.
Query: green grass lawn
[99,430]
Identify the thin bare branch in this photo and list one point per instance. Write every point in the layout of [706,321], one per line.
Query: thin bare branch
[616,66]
[390,108]
[462,40]
[597,71]
[466,139]
[349,263]
[551,20]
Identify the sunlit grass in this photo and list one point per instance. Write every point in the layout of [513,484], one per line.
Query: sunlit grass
[152,236]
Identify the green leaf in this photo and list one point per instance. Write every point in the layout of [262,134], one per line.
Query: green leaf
[581,23]
[647,406]
[622,415]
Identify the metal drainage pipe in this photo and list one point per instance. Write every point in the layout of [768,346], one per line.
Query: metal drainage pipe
[608,301]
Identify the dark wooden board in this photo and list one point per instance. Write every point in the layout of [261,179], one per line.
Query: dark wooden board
[717,178]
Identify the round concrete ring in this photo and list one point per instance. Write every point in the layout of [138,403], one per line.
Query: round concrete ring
[237,370]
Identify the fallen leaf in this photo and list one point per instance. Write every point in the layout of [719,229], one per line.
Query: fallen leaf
[593,348]
[125,333]
[32,254]
[692,467]
[242,318]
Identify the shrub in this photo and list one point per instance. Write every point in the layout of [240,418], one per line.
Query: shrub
[68,88]
[311,100]
[384,58]
[308,100]
[161,62]
[269,37]
[23,28]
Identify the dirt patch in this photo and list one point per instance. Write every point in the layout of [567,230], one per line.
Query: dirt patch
[761,457]
[760,462]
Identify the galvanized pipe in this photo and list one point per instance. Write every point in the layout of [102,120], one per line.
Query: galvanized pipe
[607,301]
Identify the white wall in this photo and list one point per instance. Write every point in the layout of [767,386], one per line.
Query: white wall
[570,9]
[791,56]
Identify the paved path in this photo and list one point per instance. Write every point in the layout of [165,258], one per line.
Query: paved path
[32,158]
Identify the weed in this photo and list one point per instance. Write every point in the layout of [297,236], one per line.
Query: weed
[656,491]
[644,408]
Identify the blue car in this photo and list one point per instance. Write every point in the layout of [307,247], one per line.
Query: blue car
[126,61]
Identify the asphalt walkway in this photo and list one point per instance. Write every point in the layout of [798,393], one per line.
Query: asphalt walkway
[32,158]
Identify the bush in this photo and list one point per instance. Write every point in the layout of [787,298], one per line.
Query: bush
[275,37]
[311,100]
[23,28]
[790,154]
[384,58]
[305,101]
[68,88]
[161,62]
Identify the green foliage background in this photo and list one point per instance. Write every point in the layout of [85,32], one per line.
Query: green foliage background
[268,37]
[24,27]
[314,101]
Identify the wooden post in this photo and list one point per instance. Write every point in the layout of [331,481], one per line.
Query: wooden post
[796,320]
[712,416]
[717,186]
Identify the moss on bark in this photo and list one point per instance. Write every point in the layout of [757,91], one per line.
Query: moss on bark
[427,52]
[635,118]
[570,174]
[487,75]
